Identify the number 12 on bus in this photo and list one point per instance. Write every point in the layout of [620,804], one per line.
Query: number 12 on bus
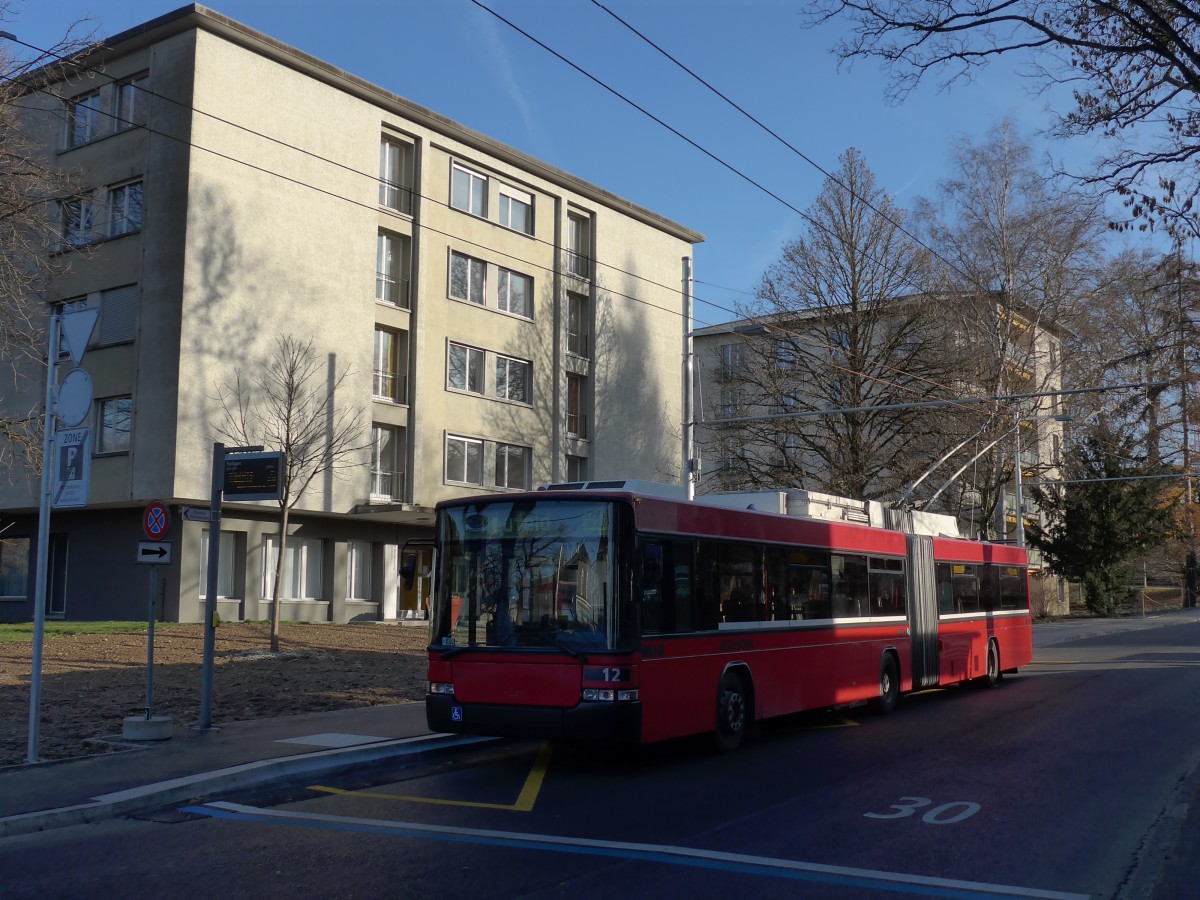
[600,615]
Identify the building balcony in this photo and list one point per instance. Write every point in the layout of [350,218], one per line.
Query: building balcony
[390,386]
[577,425]
[395,196]
[579,266]
[391,290]
[387,487]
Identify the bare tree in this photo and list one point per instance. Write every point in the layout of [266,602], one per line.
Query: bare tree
[29,185]
[1016,257]
[841,327]
[292,406]
[1133,67]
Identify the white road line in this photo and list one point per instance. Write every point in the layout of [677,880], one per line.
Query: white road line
[664,852]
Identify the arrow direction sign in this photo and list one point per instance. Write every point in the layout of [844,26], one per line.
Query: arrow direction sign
[196,514]
[154,553]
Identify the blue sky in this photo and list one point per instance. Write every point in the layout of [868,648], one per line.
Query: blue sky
[460,61]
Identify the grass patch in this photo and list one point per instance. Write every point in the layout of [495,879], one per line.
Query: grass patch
[17,632]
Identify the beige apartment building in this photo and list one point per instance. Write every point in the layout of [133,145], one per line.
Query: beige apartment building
[501,321]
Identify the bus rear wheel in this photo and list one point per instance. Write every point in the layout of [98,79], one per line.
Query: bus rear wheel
[992,674]
[889,686]
[732,712]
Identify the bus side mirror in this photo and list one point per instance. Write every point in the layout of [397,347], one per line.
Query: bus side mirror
[408,572]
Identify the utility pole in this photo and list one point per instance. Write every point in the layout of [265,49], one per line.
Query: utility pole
[689,414]
[1189,599]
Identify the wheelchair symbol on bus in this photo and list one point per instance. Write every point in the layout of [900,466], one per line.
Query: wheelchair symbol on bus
[456,713]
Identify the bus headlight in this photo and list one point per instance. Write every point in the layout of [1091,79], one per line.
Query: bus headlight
[441,687]
[609,695]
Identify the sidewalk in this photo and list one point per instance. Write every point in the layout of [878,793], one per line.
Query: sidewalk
[193,763]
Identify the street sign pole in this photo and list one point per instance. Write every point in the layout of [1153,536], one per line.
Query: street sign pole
[43,540]
[210,599]
[150,643]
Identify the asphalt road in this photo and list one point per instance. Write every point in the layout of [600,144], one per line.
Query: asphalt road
[1045,787]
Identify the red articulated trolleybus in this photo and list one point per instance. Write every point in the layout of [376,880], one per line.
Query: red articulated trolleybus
[607,612]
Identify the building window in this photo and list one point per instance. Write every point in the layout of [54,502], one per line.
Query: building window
[464,368]
[83,119]
[578,330]
[512,466]
[125,209]
[387,474]
[464,460]
[731,361]
[515,293]
[389,381]
[14,567]
[114,417]
[302,568]
[579,247]
[358,570]
[391,269]
[395,175]
[576,418]
[468,190]
[467,278]
[77,218]
[118,315]
[512,379]
[226,547]
[132,100]
[576,468]
[516,210]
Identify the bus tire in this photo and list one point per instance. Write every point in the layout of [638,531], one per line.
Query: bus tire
[991,674]
[733,712]
[889,686]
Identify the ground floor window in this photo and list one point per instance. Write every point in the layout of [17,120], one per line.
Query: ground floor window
[302,568]
[226,547]
[14,567]
[358,570]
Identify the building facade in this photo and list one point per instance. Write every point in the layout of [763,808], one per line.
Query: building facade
[494,319]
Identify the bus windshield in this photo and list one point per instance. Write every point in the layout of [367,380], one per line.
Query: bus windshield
[526,573]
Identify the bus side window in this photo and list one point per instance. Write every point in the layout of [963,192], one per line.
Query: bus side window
[680,568]
[708,586]
[653,597]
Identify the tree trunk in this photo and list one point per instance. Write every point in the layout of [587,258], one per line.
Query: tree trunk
[276,600]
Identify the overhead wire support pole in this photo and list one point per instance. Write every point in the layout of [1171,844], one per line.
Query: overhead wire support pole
[689,417]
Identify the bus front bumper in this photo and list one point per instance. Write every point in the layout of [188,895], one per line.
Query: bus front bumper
[598,721]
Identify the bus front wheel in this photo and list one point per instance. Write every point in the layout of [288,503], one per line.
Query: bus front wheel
[732,712]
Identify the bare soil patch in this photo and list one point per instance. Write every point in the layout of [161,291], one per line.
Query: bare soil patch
[90,683]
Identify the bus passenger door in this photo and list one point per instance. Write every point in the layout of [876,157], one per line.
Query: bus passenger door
[922,611]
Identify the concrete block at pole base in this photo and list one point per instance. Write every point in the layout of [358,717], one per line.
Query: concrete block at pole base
[139,728]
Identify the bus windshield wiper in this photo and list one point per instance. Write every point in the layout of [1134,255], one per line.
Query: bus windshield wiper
[571,650]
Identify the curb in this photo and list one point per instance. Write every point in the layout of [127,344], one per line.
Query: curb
[194,787]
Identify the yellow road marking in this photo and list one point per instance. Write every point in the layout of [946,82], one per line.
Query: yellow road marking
[524,803]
